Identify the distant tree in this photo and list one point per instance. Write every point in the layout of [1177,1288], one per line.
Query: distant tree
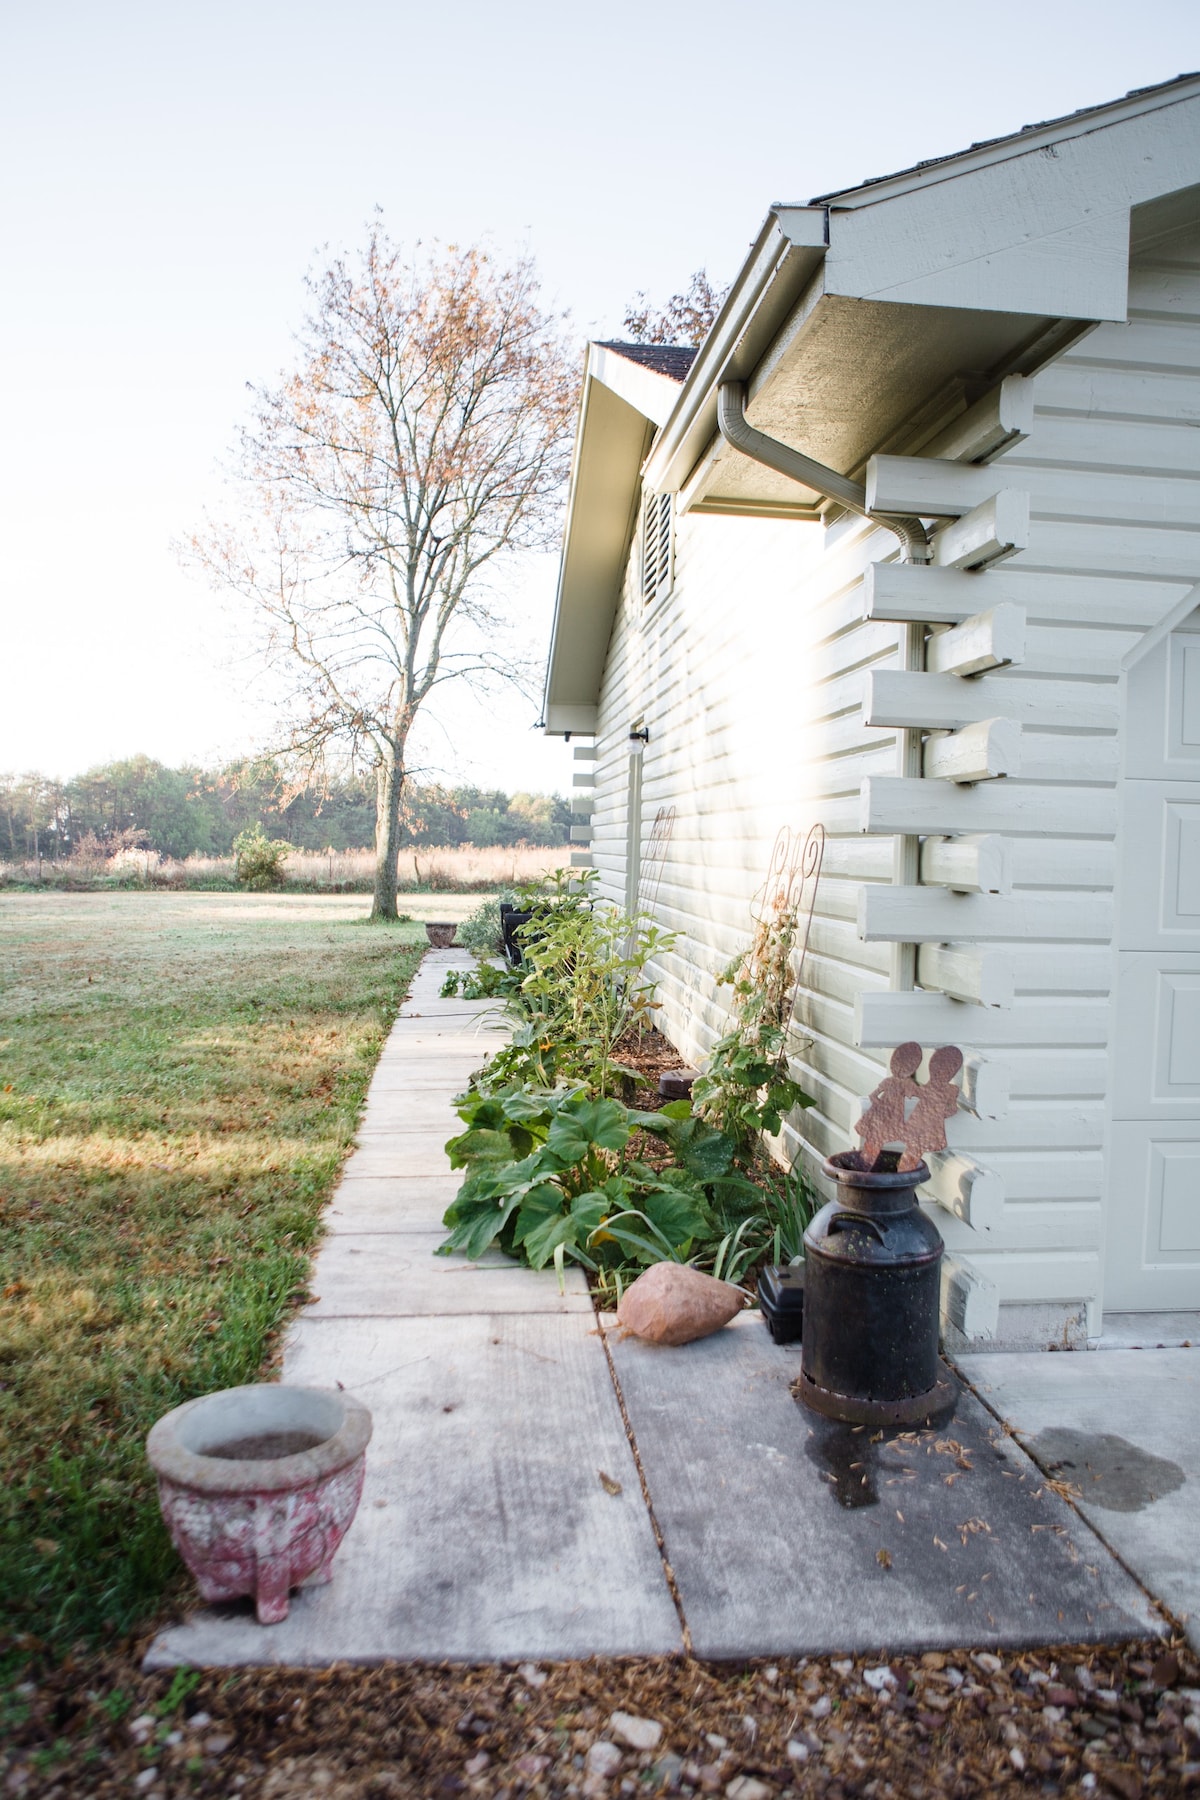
[169,808]
[685,319]
[424,429]
[35,814]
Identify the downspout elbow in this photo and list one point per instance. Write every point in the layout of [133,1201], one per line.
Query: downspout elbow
[738,432]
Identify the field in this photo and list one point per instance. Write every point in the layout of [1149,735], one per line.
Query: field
[458,869]
[180,1078]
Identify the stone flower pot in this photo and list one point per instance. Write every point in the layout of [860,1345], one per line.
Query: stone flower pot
[258,1486]
[441,934]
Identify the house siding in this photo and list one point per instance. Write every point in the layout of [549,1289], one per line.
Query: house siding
[749,677]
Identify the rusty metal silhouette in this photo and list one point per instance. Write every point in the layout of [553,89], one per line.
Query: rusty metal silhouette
[888,1119]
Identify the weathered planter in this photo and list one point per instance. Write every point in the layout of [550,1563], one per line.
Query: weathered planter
[258,1486]
[441,933]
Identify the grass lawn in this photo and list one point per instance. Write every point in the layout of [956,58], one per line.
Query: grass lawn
[180,1078]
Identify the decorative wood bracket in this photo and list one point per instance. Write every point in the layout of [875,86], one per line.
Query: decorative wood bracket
[983,977]
[990,533]
[978,864]
[981,752]
[970,1302]
[988,641]
[965,1188]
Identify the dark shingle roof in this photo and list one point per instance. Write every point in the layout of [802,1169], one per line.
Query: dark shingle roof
[665,359]
[932,162]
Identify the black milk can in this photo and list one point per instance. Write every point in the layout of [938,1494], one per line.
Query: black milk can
[872,1262]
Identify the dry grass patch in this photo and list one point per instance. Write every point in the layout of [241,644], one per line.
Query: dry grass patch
[179,1083]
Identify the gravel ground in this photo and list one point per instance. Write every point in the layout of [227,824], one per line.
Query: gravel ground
[1071,1721]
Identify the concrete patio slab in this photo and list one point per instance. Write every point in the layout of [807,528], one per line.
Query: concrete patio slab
[1123,1427]
[486,1530]
[397,1275]
[415,1203]
[789,1534]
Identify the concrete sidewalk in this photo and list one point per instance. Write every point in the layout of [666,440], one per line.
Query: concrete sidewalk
[1122,1428]
[538,1488]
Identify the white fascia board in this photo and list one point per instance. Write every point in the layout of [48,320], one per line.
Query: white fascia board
[1042,227]
[1020,143]
[783,259]
[653,395]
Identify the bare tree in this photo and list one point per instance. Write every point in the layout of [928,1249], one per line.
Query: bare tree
[424,429]
[685,319]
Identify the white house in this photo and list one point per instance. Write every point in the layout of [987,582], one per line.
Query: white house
[993,707]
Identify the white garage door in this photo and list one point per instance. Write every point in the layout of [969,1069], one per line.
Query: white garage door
[1153,1216]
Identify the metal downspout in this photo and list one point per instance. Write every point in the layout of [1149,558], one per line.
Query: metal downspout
[734,428]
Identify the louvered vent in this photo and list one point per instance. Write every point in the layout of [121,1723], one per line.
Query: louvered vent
[657,545]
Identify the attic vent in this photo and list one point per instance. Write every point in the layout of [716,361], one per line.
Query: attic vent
[657,546]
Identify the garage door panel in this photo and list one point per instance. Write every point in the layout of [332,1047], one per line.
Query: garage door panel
[1161,846]
[1157,1064]
[1164,705]
[1154,1223]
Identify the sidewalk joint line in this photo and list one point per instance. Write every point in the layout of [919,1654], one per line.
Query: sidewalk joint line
[668,1571]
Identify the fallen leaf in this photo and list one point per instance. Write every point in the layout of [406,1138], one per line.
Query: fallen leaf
[884,1558]
[608,1484]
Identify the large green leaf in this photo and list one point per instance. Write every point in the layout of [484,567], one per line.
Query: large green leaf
[587,1125]
[479,1224]
[679,1216]
[589,1210]
[542,1225]
[479,1110]
[701,1149]
[479,1145]
[539,1204]
[526,1106]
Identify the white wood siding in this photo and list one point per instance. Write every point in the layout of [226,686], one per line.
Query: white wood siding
[750,676]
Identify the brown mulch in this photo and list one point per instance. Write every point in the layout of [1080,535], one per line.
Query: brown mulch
[650,1054]
[1071,1721]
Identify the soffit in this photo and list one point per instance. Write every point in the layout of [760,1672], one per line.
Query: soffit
[928,290]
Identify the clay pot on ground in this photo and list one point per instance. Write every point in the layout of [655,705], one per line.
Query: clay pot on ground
[258,1486]
[441,933]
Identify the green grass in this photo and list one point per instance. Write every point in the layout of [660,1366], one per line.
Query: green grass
[180,1078]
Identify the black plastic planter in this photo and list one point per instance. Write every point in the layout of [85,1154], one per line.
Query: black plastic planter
[781,1297]
[871,1303]
[511,920]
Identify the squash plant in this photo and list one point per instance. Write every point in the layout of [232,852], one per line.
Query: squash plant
[552,1175]
[581,985]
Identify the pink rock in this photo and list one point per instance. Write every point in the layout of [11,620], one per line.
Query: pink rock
[672,1304]
[258,1486]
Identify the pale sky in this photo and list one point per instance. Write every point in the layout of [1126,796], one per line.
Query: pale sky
[169,171]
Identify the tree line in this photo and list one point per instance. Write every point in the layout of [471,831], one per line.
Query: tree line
[140,803]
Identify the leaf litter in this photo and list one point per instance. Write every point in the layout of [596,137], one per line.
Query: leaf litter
[1076,1720]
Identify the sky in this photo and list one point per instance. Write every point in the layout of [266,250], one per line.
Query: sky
[169,171]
